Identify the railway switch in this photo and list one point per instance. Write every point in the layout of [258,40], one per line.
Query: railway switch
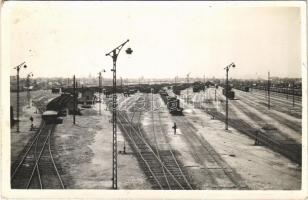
[174,127]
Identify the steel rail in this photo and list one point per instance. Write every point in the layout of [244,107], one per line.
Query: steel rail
[219,163]
[54,165]
[197,157]
[211,154]
[26,153]
[147,145]
[277,99]
[265,139]
[156,143]
[174,158]
[151,150]
[37,167]
[138,150]
[162,164]
[39,157]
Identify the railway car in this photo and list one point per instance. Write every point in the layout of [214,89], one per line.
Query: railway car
[55,90]
[51,117]
[246,88]
[177,88]
[173,103]
[163,93]
[242,88]
[198,86]
[230,94]
[132,91]
[59,102]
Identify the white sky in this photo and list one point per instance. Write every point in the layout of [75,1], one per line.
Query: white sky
[168,39]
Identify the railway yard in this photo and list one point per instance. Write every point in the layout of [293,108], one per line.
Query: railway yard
[154,100]
[165,141]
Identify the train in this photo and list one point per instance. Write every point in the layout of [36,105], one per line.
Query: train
[230,93]
[177,88]
[283,90]
[172,102]
[56,108]
[242,88]
[52,117]
[198,86]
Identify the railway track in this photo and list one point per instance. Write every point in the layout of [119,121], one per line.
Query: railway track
[164,150]
[286,147]
[276,103]
[287,99]
[160,166]
[280,94]
[218,174]
[35,167]
[293,123]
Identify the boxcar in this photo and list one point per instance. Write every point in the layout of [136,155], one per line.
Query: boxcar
[51,117]
[230,94]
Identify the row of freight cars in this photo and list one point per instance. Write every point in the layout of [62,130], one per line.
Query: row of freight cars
[56,108]
[172,102]
[197,87]
[290,90]
[241,87]
[176,89]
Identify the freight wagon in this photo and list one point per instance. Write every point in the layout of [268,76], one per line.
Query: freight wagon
[290,91]
[242,88]
[177,88]
[173,103]
[230,94]
[198,86]
[51,117]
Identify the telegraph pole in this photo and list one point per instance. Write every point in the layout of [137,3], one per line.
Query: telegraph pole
[74,96]
[28,88]
[17,109]
[268,91]
[187,76]
[99,90]
[139,82]
[293,85]
[215,95]
[227,92]
[204,79]
[114,55]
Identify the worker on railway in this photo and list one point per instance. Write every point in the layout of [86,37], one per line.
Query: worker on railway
[31,119]
[257,142]
[174,127]
[124,148]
